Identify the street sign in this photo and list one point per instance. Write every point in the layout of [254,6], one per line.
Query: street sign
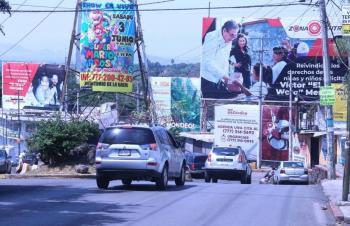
[327,95]
[345,20]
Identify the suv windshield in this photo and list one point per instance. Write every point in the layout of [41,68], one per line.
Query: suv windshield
[226,151]
[139,136]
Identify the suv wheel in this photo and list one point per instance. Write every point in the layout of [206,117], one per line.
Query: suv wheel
[215,180]
[102,183]
[162,182]
[126,182]
[180,181]
[206,177]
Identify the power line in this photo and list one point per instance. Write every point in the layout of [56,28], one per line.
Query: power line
[19,6]
[28,33]
[170,9]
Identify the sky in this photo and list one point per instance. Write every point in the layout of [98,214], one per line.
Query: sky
[44,37]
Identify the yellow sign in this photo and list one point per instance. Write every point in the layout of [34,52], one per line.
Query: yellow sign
[340,105]
[107,81]
[346,20]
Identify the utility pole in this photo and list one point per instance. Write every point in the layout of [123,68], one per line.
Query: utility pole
[72,39]
[19,123]
[290,140]
[346,174]
[261,55]
[140,42]
[327,82]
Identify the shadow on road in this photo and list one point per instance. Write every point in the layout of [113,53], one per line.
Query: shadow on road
[149,187]
[59,205]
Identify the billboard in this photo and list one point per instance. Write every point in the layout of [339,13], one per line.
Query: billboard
[275,127]
[34,85]
[177,102]
[107,46]
[291,49]
[238,125]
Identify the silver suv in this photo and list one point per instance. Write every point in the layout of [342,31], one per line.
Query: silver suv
[228,163]
[133,152]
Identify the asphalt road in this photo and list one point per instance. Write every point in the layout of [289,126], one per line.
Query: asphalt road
[79,202]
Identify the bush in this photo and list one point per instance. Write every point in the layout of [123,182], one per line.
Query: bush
[54,139]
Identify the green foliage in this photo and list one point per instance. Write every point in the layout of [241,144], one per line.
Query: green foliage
[5,8]
[54,139]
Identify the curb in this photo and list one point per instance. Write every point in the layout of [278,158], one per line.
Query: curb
[337,213]
[23,176]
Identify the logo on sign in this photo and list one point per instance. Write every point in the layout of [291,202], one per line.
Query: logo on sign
[314,28]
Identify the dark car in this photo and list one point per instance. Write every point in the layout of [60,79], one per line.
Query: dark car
[196,162]
[5,162]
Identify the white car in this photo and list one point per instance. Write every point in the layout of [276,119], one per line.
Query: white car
[291,171]
[134,152]
[227,163]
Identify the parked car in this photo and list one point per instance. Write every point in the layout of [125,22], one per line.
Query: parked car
[196,163]
[134,152]
[227,163]
[291,171]
[5,162]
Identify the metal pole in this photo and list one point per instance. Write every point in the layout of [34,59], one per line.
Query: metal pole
[209,10]
[152,105]
[6,129]
[64,92]
[261,54]
[3,125]
[290,140]
[78,92]
[327,82]
[19,123]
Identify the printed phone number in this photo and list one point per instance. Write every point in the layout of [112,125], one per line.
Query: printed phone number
[106,77]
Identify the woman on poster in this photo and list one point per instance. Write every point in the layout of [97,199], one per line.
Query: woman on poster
[240,59]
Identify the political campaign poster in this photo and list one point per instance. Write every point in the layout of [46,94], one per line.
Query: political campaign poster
[292,58]
[238,125]
[107,45]
[177,102]
[341,103]
[275,128]
[33,85]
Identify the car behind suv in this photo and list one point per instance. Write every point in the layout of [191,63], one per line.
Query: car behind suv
[228,163]
[196,163]
[133,152]
[5,162]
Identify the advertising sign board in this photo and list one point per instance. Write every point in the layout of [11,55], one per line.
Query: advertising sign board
[238,125]
[107,45]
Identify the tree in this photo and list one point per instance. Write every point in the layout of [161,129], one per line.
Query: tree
[55,138]
[5,8]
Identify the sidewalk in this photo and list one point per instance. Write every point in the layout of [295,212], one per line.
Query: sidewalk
[333,190]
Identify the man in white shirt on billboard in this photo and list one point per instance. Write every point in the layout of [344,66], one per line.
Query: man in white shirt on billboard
[215,61]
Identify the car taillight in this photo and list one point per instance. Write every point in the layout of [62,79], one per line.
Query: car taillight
[193,166]
[153,147]
[282,171]
[209,158]
[240,158]
[306,171]
[101,146]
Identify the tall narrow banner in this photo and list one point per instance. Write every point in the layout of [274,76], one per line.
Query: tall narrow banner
[32,85]
[275,140]
[177,102]
[107,45]
[238,125]
[341,103]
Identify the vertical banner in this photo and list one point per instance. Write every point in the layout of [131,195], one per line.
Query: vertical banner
[276,133]
[161,90]
[107,46]
[341,103]
[177,102]
[238,125]
[33,85]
